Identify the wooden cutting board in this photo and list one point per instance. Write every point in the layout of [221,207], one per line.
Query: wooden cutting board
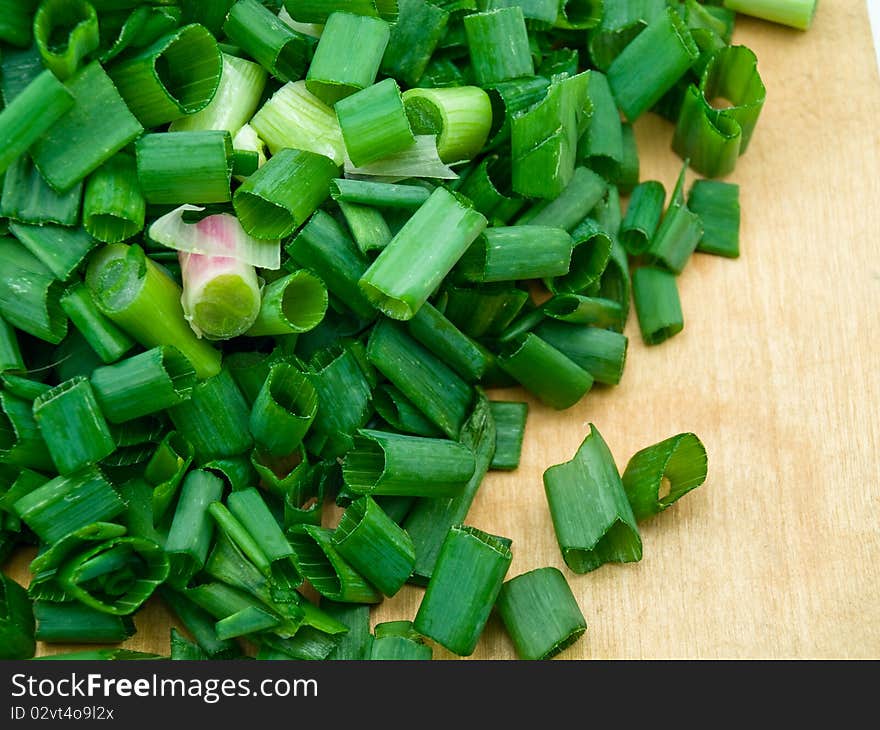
[778,554]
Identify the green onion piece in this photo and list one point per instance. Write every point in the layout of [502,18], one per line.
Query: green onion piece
[543,370]
[21,443]
[72,22]
[487,310]
[601,145]
[589,257]
[511,98]
[306,644]
[713,138]
[165,471]
[795,13]
[367,225]
[592,518]
[30,115]
[614,283]
[461,117]
[627,176]
[510,426]
[678,234]
[22,387]
[544,139]
[16,621]
[294,118]
[433,330]
[347,57]
[200,625]
[219,599]
[16,21]
[398,641]
[144,302]
[182,649]
[28,198]
[251,510]
[517,252]
[657,304]
[239,535]
[250,620]
[185,167]
[143,27]
[282,51]
[488,188]
[487,33]
[318,11]
[215,419]
[399,412]
[577,309]
[25,482]
[75,623]
[405,274]
[540,613]
[417,160]
[99,124]
[281,195]
[322,247]
[73,426]
[249,370]
[601,352]
[114,207]
[29,294]
[394,464]
[573,204]
[642,217]
[414,38]
[661,474]
[283,411]
[107,655]
[294,303]
[433,387]
[175,76]
[238,95]
[320,563]
[62,250]
[143,384]
[383,195]
[375,545]
[190,536]
[374,123]
[429,520]
[545,11]
[355,643]
[10,353]
[68,503]
[462,591]
[651,64]
[717,205]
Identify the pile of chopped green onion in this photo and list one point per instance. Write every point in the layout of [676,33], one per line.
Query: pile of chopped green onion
[258,257]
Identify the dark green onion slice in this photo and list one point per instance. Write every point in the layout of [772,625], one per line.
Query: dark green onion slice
[517,252]
[405,274]
[62,250]
[657,304]
[592,518]
[143,27]
[601,352]
[75,623]
[510,425]
[97,127]
[75,19]
[398,641]
[105,338]
[10,352]
[23,387]
[487,310]
[28,198]
[540,613]
[385,195]
[678,234]
[355,643]
[250,620]
[16,621]
[367,225]
[320,564]
[375,545]
[796,13]
[165,471]
[717,205]
[113,206]
[21,443]
[488,188]
[504,28]
[374,123]
[509,99]
[16,21]
[578,309]
[660,475]
[462,591]
[400,413]
[104,655]
[73,426]
[175,76]
[433,330]
[200,625]
[642,217]
[283,411]
[415,36]
[191,532]
[601,145]
[572,205]
[589,257]
[291,304]
[614,283]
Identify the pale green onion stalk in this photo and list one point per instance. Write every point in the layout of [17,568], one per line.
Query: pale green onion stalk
[421,159]
[796,13]
[311,29]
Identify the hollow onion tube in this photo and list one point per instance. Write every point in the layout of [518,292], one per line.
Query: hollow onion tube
[237,97]
[28,198]
[297,119]
[509,99]
[486,310]
[651,63]
[16,22]
[375,545]
[487,33]
[393,464]
[433,330]
[281,195]
[143,384]
[415,36]
[283,411]
[583,192]
[601,144]
[379,194]
[68,503]
[717,205]
[540,613]
[62,250]
[99,121]
[510,425]
[294,303]
[642,217]
[398,641]
[73,427]
[589,257]
[320,564]
[21,443]
[175,76]
[80,22]
[114,208]
[679,233]
[461,117]
[660,475]
[30,115]
[144,302]
[462,591]
[657,304]
[16,621]
[578,309]
[487,187]
[796,13]
[601,352]
[374,123]
[517,252]
[405,274]
[282,51]
[347,57]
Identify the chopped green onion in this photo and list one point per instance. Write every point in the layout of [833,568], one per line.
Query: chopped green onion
[419,159]
[374,123]
[143,27]
[10,353]
[16,21]
[487,310]
[200,625]
[499,45]
[433,330]
[589,257]
[661,474]
[488,188]
[592,518]
[398,641]
[601,145]
[250,620]
[601,352]
[16,621]
[511,98]
[73,426]
[74,623]
[461,117]
[517,252]
[578,309]
[114,207]
[642,217]
[399,412]
[355,643]
[28,198]
[405,274]
[462,591]
[62,250]
[510,426]
[717,205]
[540,613]
[678,234]
[572,205]
[414,38]
[367,225]
[283,410]
[175,76]
[657,304]
[295,303]
[75,19]
[165,471]
[383,195]
[21,442]
[796,13]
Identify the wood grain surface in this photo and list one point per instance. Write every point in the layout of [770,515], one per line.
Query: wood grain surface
[778,554]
